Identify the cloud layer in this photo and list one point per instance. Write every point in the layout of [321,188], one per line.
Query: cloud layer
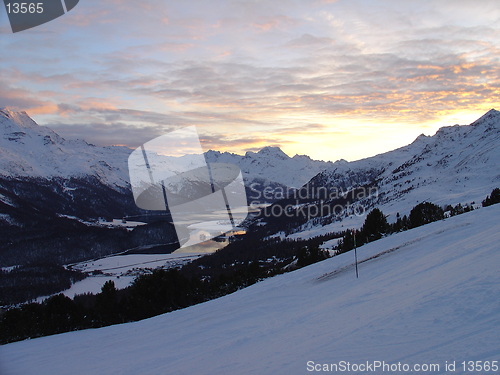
[332,79]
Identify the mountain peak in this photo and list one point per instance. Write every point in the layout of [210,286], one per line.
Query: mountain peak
[273,151]
[9,113]
[306,157]
[490,119]
[21,119]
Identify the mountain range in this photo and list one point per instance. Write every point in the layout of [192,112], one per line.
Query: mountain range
[48,182]
[457,165]
[28,150]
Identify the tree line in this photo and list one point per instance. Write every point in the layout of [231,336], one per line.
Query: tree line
[376,225]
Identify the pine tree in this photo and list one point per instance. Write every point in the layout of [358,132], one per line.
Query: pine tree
[424,213]
[493,198]
[375,225]
[106,303]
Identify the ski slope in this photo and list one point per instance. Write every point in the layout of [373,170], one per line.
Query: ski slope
[426,296]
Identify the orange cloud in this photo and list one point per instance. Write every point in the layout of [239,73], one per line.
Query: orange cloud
[44,109]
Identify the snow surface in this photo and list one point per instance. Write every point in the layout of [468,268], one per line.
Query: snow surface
[121,269]
[93,284]
[428,295]
[120,264]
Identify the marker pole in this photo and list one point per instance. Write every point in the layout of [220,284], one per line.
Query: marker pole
[355,254]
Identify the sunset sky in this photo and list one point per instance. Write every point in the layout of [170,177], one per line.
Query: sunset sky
[330,79]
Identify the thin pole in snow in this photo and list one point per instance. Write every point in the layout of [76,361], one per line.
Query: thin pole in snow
[355,254]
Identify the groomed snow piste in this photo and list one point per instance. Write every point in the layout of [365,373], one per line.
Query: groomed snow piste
[432,296]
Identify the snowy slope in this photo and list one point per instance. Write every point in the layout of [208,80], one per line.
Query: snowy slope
[424,296]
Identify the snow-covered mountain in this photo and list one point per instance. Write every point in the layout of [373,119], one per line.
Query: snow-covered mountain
[28,150]
[43,174]
[271,165]
[71,177]
[32,151]
[459,164]
[426,296]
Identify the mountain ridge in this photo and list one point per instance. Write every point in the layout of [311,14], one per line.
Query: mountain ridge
[458,164]
[28,150]
[111,160]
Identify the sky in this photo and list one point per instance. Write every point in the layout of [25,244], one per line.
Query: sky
[330,79]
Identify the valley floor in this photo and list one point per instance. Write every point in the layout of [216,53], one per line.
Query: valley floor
[428,296]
